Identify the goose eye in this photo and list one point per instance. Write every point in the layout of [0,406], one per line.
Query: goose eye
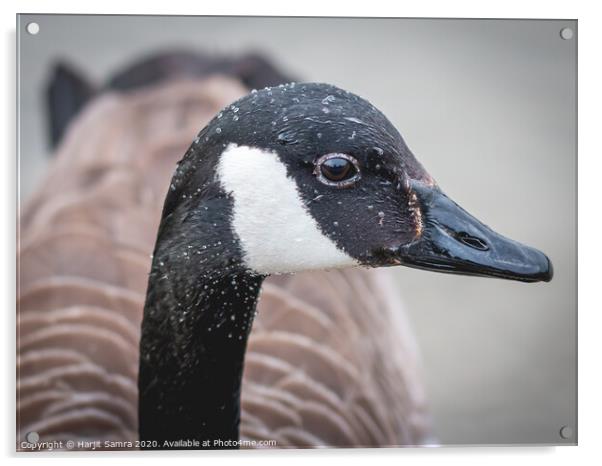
[339,170]
[336,169]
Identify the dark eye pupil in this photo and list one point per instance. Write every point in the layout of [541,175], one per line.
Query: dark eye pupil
[337,169]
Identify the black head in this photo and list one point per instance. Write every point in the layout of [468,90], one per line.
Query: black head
[356,182]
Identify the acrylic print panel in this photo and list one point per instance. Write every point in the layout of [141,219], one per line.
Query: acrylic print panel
[280,177]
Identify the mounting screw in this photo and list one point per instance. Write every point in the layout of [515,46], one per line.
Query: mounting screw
[566,33]
[32,437]
[566,432]
[32,28]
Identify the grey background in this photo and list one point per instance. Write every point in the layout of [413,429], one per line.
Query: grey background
[489,108]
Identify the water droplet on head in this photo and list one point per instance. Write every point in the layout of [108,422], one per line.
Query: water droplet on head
[326,100]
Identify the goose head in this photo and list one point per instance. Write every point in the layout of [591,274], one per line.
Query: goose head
[317,177]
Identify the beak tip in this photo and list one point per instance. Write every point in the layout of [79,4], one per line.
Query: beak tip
[544,269]
[549,272]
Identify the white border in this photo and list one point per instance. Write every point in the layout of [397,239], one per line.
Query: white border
[590,389]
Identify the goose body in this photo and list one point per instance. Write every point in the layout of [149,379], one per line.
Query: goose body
[331,359]
[290,179]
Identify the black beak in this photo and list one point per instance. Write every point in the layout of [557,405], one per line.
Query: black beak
[453,241]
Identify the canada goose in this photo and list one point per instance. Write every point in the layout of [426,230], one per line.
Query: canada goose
[293,178]
[328,362]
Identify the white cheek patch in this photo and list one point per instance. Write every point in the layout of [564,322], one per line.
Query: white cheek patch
[276,231]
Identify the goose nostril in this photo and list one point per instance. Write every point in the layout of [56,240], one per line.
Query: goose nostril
[472,241]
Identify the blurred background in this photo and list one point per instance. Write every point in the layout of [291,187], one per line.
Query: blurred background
[487,106]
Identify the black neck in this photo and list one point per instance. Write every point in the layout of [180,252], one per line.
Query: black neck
[198,314]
